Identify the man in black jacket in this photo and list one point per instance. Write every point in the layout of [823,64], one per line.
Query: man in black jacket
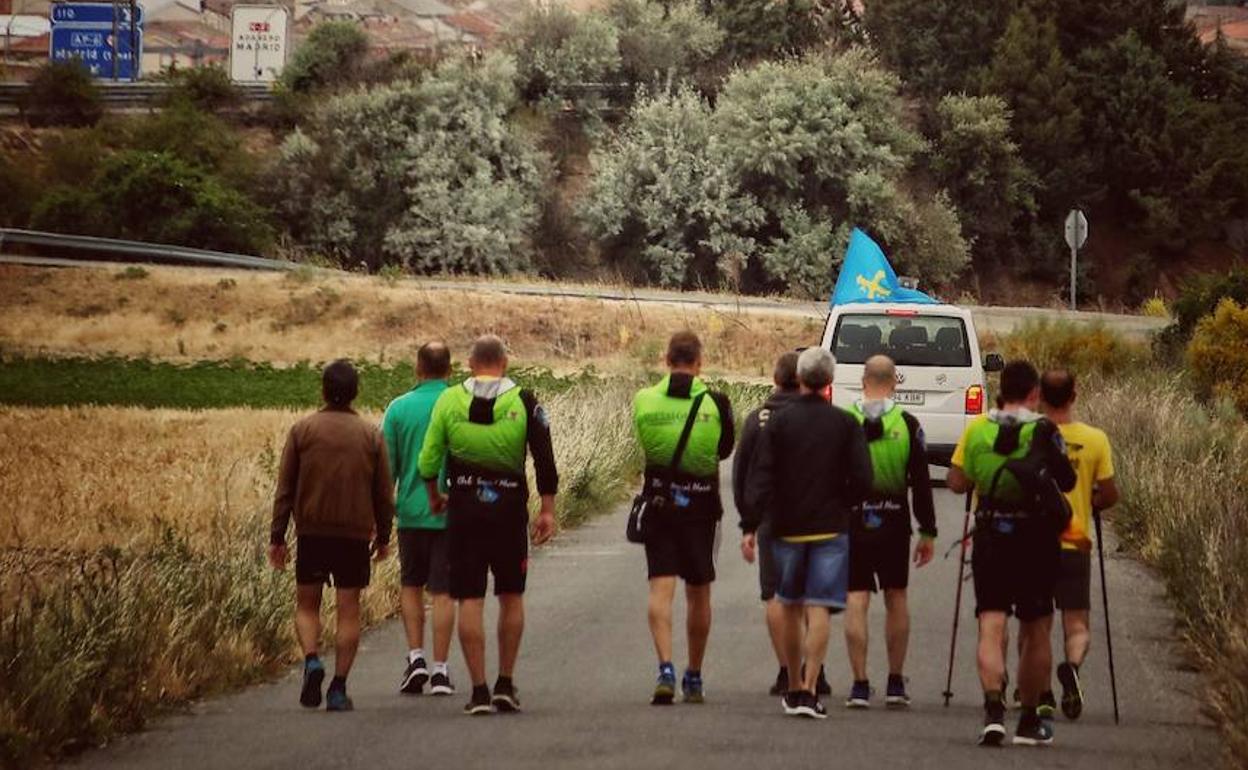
[758,544]
[810,468]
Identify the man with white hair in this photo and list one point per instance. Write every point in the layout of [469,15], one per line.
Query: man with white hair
[811,467]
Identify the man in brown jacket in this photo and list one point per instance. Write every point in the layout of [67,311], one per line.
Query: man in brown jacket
[335,481]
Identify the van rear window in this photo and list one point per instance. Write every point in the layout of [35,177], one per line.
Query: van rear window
[922,340]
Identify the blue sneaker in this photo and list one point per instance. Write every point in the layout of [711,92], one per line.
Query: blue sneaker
[336,699]
[313,677]
[691,687]
[896,696]
[859,696]
[665,687]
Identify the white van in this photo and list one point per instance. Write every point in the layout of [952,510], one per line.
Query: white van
[940,375]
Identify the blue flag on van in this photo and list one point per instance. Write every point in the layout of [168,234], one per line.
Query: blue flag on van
[866,276]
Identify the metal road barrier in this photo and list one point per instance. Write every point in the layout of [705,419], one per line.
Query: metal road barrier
[130,95]
[137,251]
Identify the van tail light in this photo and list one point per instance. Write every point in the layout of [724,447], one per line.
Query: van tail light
[975,399]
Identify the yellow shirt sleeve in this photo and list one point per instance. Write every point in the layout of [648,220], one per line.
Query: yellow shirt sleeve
[1104,457]
[959,452]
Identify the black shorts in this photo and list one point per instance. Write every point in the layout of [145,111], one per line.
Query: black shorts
[683,547]
[768,573]
[424,560]
[883,556]
[481,541]
[342,562]
[1015,574]
[1074,580]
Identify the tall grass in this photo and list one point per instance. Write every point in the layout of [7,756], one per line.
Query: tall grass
[1181,467]
[134,577]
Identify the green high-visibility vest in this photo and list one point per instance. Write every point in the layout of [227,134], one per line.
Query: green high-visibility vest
[660,418]
[890,452]
[497,446]
[982,461]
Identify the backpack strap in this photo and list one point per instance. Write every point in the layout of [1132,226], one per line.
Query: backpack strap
[683,441]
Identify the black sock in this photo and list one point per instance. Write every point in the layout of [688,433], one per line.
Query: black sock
[480,692]
[694,672]
[311,656]
[863,682]
[338,683]
[502,681]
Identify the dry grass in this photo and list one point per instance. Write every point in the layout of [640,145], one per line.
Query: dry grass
[133,575]
[1182,471]
[184,315]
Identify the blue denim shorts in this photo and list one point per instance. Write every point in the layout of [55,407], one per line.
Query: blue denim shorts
[815,573]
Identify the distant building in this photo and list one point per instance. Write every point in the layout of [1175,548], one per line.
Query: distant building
[1229,20]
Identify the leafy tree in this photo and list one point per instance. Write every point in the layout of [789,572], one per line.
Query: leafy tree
[206,88]
[428,173]
[978,163]
[662,199]
[62,93]
[663,40]
[331,55]
[556,48]
[937,46]
[1029,71]
[762,30]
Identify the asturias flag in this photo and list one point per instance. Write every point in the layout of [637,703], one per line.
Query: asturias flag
[866,276]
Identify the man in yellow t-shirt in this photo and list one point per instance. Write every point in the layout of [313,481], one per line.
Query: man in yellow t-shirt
[1089,452]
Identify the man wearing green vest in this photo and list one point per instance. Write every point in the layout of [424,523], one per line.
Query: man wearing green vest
[879,533]
[1009,457]
[481,429]
[422,534]
[682,544]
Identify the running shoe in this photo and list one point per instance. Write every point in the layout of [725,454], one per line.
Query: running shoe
[336,700]
[506,697]
[791,701]
[993,733]
[804,703]
[479,704]
[440,684]
[896,696]
[691,687]
[313,678]
[821,684]
[859,696]
[1047,706]
[1033,731]
[414,677]
[665,687]
[1072,690]
[781,685]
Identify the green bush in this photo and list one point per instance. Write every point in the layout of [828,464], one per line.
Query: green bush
[62,94]
[154,196]
[206,88]
[18,191]
[197,138]
[428,173]
[332,54]
[1218,354]
[663,41]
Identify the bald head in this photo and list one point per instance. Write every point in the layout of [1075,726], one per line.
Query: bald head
[488,356]
[433,361]
[879,377]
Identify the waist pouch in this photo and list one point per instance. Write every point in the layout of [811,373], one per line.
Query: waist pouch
[474,489]
[1012,526]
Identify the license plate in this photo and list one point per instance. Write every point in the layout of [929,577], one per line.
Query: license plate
[909,397]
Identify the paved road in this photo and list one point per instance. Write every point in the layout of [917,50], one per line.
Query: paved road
[586,672]
[998,320]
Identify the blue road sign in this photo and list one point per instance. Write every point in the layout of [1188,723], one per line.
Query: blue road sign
[93,13]
[84,31]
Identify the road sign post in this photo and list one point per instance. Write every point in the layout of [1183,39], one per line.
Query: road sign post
[1076,236]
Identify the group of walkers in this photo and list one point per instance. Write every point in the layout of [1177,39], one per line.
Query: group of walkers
[825,495]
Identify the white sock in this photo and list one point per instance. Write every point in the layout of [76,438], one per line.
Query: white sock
[412,655]
[440,667]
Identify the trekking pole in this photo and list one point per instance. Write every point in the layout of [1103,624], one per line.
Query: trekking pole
[957,606]
[1109,637]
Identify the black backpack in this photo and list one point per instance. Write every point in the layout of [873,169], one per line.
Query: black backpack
[1041,494]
